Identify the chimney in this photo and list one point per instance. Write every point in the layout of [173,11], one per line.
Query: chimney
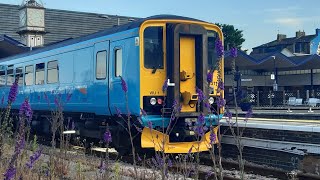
[281,36]
[317,31]
[300,34]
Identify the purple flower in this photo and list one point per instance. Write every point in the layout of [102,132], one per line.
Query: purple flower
[200,120]
[56,102]
[118,112]
[33,159]
[220,85]
[213,137]
[199,130]
[139,158]
[10,173]
[169,163]
[2,100]
[209,77]
[219,48]
[220,102]
[209,174]
[13,92]
[228,115]
[25,110]
[248,115]
[190,150]
[107,137]
[20,145]
[234,52]
[201,96]
[165,86]
[124,85]
[158,161]
[207,105]
[143,112]
[102,166]
[69,95]
[150,124]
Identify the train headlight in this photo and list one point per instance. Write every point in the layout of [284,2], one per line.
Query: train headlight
[153,101]
[211,100]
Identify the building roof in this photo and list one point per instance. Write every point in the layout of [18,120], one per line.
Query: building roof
[287,41]
[268,61]
[9,46]
[60,24]
[104,32]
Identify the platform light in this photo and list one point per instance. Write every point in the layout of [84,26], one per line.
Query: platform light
[211,100]
[153,101]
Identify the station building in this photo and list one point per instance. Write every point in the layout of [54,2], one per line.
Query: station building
[31,25]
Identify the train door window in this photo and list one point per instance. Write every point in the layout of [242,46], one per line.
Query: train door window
[101,65]
[52,72]
[212,56]
[28,75]
[40,73]
[10,75]
[2,76]
[118,62]
[19,75]
[153,48]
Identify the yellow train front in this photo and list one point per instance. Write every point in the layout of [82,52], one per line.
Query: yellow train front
[176,55]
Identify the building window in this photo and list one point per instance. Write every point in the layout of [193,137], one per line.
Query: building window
[153,48]
[28,75]
[118,62]
[10,75]
[40,73]
[2,77]
[101,65]
[52,72]
[19,74]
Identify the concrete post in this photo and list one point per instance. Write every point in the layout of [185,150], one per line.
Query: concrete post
[284,97]
[298,94]
[270,98]
[258,98]
[307,95]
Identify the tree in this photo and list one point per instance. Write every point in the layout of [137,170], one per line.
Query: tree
[232,37]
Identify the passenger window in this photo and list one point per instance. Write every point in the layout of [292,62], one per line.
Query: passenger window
[19,75]
[2,76]
[40,73]
[101,65]
[28,75]
[10,75]
[52,72]
[153,48]
[118,62]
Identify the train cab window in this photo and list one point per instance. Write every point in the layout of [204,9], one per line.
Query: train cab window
[2,76]
[118,62]
[52,72]
[19,74]
[10,75]
[40,73]
[28,75]
[212,56]
[101,65]
[153,48]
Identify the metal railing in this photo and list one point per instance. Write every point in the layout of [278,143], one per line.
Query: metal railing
[272,98]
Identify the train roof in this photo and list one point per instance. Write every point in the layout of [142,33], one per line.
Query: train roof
[128,26]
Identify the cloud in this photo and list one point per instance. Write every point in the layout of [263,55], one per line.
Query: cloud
[282,10]
[292,21]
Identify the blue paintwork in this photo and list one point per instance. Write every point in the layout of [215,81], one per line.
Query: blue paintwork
[77,76]
[315,43]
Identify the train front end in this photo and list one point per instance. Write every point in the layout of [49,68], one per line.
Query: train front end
[176,57]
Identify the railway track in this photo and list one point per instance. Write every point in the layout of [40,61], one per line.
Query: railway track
[97,152]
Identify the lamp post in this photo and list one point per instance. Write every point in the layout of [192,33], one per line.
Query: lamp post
[275,85]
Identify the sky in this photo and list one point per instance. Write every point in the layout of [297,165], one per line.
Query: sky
[260,21]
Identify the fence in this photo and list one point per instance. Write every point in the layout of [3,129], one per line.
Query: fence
[272,98]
